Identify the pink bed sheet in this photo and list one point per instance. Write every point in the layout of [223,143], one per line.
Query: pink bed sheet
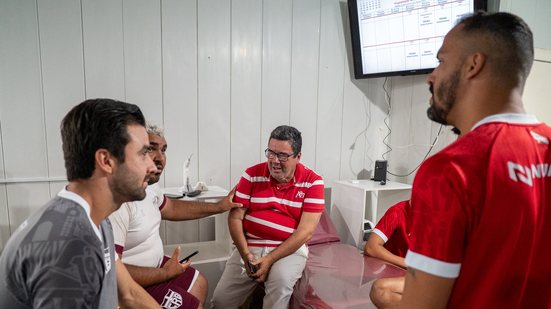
[337,276]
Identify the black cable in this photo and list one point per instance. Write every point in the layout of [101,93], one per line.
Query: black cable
[424,158]
[386,121]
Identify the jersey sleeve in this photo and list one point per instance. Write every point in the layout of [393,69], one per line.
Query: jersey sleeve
[120,220]
[314,200]
[388,223]
[243,189]
[438,218]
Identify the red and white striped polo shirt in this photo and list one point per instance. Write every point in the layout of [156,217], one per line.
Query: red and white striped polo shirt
[273,209]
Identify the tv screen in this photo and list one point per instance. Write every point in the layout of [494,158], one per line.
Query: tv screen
[402,37]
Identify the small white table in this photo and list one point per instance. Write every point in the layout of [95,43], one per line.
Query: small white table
[215,250]
[213,254]
[213,193]
[357,202]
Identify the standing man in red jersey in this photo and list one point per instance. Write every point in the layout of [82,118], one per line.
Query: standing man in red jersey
[481,207]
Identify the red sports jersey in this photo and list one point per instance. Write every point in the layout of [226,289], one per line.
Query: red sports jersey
[481,213]
[273,209]
[392,228]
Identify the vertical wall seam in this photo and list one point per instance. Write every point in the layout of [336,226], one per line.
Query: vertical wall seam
[83,53]
[197,85]
[231,101]
[123,53]
[261,77]
[41,66]
[317,90]
[162,73]
[291,62]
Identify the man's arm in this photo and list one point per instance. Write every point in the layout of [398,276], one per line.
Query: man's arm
[178,210]
[131,294]
[147,276]
[375,247]
[423,290]
[303,233]
[235,225]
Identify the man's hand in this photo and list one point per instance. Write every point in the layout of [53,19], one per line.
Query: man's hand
[173,267]
[263,266]
[226,203]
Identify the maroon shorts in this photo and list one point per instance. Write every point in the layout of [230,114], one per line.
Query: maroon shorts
[174,293]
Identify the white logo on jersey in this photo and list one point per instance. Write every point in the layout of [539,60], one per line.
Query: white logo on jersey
[300,194]
[107,259]
[172,300]
[527,173]
[539,138]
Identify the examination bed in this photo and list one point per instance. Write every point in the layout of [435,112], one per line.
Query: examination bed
[338,275]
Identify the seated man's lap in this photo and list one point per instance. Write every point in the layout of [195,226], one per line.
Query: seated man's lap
[176,291]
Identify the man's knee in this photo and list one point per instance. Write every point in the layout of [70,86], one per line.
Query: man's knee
[201,282]
[386,292]
[200,288]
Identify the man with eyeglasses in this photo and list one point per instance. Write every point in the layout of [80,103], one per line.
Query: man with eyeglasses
[282,203]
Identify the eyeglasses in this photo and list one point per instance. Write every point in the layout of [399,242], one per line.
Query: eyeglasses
[281,156]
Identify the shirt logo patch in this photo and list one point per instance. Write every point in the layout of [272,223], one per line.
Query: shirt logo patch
[540,139]
[172,300]
[526,174]
[300,194]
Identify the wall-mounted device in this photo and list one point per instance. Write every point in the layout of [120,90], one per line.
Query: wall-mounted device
[402,37]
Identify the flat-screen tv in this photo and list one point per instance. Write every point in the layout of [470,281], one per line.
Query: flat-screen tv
[402,37]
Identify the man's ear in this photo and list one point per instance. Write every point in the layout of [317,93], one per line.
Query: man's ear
[105,161]
[299,155]
[475,64]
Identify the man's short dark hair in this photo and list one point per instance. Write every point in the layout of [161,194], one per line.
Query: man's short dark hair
[290,134]
[96,124]
[506,40]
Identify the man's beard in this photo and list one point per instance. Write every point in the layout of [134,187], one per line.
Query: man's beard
[447,92]
[127,186]
[153,178]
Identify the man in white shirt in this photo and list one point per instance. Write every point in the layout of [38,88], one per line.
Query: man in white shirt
[137,240]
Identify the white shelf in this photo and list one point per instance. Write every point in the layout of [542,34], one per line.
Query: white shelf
[209,251]
[213,193]
[356,202]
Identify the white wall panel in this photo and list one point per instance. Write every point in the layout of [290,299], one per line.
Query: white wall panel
[537,92]
[305,75]
[330,92]
[214,91]
[400,140]
[103,48]
[24,199]
[536,14]
[21,109]
[62,70]
[363,128]
[540,26]
[179,45]
[179,56]
[4,218]
[2,167]
[246,83]
[276,65]
[142,56]
[56,186]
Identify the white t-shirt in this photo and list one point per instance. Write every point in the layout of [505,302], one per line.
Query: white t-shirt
[136,229]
